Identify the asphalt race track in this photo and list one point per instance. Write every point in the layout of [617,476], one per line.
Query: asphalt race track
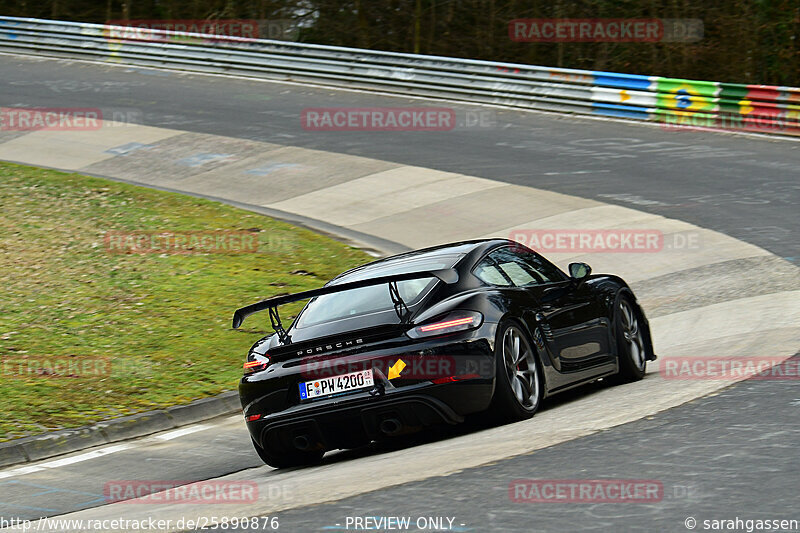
[726,455]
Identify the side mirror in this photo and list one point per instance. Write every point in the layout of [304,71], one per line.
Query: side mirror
[579,271]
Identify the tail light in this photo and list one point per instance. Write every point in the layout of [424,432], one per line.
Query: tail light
[255,363]
[452,379]
[456,321]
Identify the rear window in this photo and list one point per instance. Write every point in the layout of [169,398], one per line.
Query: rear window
[366,300]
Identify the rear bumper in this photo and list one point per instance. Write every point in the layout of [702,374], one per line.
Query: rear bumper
[358,419]
[443,380]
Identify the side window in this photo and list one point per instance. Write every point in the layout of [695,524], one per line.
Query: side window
[546,270]
[525,268]
[514,268]
[487,272]
[518,274]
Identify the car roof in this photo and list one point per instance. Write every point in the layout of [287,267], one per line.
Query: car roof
[451,254]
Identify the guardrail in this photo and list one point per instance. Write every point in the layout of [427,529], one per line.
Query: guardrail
[673,102]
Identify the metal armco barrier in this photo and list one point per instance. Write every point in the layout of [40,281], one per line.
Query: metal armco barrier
[673,102]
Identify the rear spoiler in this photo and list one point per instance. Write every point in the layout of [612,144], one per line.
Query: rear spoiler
[447,275]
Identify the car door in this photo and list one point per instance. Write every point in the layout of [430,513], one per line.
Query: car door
[569,318]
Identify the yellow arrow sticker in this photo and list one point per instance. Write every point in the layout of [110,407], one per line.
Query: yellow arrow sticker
[623,95]
[395,369]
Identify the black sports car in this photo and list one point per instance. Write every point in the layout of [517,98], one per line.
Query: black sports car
[431,336]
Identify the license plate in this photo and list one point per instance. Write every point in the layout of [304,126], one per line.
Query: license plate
[319,388]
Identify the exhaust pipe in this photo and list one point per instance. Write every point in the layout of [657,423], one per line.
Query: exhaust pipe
[301,442]
[390,426]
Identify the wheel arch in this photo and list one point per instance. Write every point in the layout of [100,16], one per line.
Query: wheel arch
[626,292]
[523,325]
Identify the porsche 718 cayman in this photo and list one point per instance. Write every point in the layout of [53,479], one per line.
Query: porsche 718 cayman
[429,337]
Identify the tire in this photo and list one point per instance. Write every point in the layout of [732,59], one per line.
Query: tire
[631,343]
[518,379]
[286,460]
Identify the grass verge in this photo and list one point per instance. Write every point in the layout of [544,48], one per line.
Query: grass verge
[90,332]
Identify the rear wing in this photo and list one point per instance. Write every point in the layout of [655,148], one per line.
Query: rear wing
[447,275]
